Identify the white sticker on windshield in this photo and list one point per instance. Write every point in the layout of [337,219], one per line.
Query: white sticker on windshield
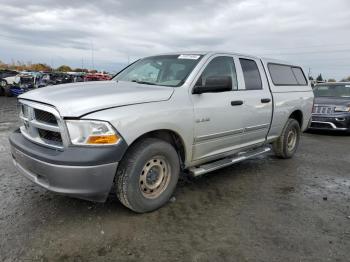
[194,57]
[347,85]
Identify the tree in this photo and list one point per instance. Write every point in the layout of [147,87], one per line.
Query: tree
[319,78]
[64,68]
[40,67]
[81,70]
[345,79]
[332,80]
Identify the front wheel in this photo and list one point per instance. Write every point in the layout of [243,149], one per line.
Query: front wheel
[286,145]
[147,175]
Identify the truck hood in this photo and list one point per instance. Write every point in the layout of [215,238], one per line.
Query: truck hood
[75,100]
[341,101]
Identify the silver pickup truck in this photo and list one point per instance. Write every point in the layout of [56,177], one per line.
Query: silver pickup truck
[160,117]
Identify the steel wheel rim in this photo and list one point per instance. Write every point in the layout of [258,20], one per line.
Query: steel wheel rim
[154,177]
[291,139]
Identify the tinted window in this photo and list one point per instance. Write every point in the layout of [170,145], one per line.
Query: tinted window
[219,66]
[299,75]
[286,75]
[251,74]
[282,75]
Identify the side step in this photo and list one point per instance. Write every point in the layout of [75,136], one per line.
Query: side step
[206,168]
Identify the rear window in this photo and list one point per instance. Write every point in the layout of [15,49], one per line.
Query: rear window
[286,75]
[251,74]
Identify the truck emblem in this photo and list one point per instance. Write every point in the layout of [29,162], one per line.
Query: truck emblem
[204,119]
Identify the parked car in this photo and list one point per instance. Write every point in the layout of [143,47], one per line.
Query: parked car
[97,77]
[7,79]
[7,73]
[27,81]
[192,112]
[331,110]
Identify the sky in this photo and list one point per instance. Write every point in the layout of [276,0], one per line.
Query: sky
[108,34]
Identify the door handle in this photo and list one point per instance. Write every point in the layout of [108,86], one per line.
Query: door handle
[236,103]
[265,100]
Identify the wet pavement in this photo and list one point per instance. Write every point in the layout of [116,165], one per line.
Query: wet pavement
[263,209]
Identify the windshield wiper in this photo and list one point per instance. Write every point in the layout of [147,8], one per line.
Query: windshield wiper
[143,82]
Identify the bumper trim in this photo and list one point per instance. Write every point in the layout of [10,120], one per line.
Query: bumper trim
[86,182]
[332,125]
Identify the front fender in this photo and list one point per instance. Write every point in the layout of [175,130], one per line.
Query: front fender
[136,120]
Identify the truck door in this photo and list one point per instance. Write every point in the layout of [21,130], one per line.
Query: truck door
[219,116]
[257,99]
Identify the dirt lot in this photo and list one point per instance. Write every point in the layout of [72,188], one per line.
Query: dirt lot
[260,210]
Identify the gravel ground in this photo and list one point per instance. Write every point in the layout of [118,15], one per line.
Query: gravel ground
[259,210]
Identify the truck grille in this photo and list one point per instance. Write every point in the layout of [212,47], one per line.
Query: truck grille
[50,135]
[45,117]
[323,110]
[42,124]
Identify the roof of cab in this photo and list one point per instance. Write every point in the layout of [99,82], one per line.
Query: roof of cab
[267,60]
[206,53]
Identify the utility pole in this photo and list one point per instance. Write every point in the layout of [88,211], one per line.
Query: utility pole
[51,64]
[92,55]
[309,74]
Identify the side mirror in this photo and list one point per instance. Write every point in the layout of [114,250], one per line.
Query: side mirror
[214,84]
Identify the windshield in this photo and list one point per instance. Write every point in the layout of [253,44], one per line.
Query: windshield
[164,70]
[332,91]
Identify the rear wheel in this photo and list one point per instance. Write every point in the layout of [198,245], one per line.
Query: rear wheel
[147,175]
[287,144]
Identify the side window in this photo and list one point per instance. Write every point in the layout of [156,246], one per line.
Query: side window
[251,74]
[220,66]
[286,75]
[299,75]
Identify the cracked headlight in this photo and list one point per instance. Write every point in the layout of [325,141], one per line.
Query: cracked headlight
[91,132]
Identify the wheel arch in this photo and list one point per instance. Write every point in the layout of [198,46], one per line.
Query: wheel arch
[298,116]
[169,136]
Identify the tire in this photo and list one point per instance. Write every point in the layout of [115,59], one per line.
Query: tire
[8,92]
[139,182]
[3,84]
[287,144]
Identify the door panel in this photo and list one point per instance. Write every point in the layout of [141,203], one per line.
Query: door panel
[218,125]
[219,118]
[257,102]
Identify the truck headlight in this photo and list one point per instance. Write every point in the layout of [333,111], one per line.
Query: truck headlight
[91,132]
[342,109]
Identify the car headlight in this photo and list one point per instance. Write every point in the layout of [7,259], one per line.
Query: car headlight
[342,109]
[91,132]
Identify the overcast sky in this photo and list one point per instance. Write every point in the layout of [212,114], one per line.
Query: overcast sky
[315,34]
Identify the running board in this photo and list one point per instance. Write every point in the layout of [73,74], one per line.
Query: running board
[206,168]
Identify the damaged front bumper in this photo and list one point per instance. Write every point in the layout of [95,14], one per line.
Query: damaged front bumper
[81,172]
